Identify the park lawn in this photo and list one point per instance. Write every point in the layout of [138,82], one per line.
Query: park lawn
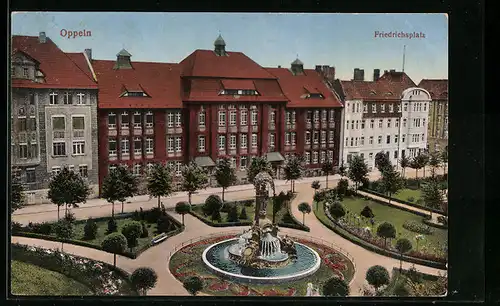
[28,279]
[396,217]
[406,193]
[250,210]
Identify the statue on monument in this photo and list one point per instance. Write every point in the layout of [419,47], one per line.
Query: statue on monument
[261,183]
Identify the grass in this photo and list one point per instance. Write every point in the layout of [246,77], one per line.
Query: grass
[28,279]
[406,193]
[396,217]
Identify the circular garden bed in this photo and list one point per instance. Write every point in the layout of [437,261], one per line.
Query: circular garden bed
[188,262]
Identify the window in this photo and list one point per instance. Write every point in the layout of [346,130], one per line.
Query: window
[78,147]
[272,138]
[149,119]
[309,117]
[149,168]
[423,136]
[232,142]
[425,107]
[243,162]
[293,117]
[382,108]
[395,154]
[379,139]
[222,118]
[201,118]
[316,116]
[288,116]
[308,137]
[112,168]
[396,138]
[78,126]
[59,149]
[391,108]
[347,141]
[178,168]
[354,107]
[362,141]
[323,136]
[22,124]
[405,107]
[404,122]
[352,141]
[352,125]
[362,124]
[52,98]
[322,156]
[315,157]
[232,117]
[222,142]
[423,121]
[388,123]
[308,158]
[374,108]
[170,120]
[399,108]
[403,138]
[397,123]
[324,115]
[365,108]
[136,170]
[58,123]
[356,124]
[316,137]
[25,72]
[370,156]
[244,117]
[124,120]
[272,116]
[370,140]
[149,145]
[137,120]
[112,121]
[331,137]
[112,147]
[30,175]
[137,145]
[178,144]
[56,170]
[380,122]
[372,123]
[254,140]
[125,146]
[347,125]
[293,138]
[23,151]
[388,139]
[254,117]
[287,138]
[178,120]
[243,141]
[84,170]
[80,98]
[356,142]
[67,98]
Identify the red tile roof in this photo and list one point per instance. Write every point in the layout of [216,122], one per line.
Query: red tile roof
[80,60]
[295,86]
[238,84]
[438,88]
[161,82]
[389,86]
[59,69]
[236,65]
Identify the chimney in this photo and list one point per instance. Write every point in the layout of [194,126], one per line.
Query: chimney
[123,60]
[359,74]
[376,74]
[318,69]
[42,38]
[88,52]
[279,66]
[386,71]
[392,70]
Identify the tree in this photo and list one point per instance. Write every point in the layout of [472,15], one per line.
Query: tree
[132,231]
[342,187]
[115,243]
[224,174]
[68,188]
[182,208]
[113,188]
[377,276]
[337,211]
[358,170]
[232,215]
[212,203]
[304,208]
[417,163]
[193,284]
[259,164]
[432,195]
[130,182]
[434,160]
[382,161]
[367,212]
[335,287]
[144,279]
[160,182]
[328,168]
[404,162]
[243,214]
[193,178]
[64,231]
[293,170]
[391,182]
[145,232]
[444,159]
[386,230]
[216,216]
[403,245]
[316,186]
[424,160]
[90,229]
[17,198]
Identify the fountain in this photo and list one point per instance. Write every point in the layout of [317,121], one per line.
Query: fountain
[259,254]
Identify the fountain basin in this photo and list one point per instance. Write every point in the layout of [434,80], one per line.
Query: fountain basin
[218,259]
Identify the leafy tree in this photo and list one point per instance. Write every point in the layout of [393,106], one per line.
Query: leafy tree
[225,174]
[212,203]
[132,231]
[417,163]
[194,178]
[115,243]
[160,182]
[342,187]
[404,162]
[17,198]
[243,214]
[144,279]
[232,215]
[382,161]
[336,287]
[304,208]
[337,210]
[145,232]
[112,226]
[259,164]
[391,182]
[163,224]
[113,189]
[444,158]
[327,167]
[316,186]
[68,188]
[377,276]
[216,216]
[386,230]
[90,229]
[424,160]
[293,170]
[434,160]
[432,195]
[63,230]
[358,170]
[130,182]
[182,208]
[403,245]
[193,284]
[367,212]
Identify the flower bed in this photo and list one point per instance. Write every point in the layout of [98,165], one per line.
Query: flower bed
[188,262]
[418,227]
[101,278]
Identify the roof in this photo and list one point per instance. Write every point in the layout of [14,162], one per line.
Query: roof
[219,41]
[238,84]
[59,68]
[297,62]
[274,157]
[80,60]
[438,88]
[295,86]
[160,81]
[204,161]
[236,65]
[123,52]
[389,86]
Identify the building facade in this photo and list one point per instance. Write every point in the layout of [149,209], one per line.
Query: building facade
[437,128]
[53,114]
[387,114]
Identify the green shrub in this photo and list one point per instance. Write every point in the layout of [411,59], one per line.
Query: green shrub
[248,203]
[90,229]
[418,227]
[145,232]
[132,231]
[16,227]
[216,217]
[287,218]
[152,215]
[232,215]
[70,217]
[337,210]
[410,199]
[420,202]
[212,203]
[136,216]
[112,226]
[243,214]
[413,275]
[44,228]
[367,212]
[163,224]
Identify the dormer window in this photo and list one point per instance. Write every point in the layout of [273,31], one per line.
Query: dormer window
[373,92]
[315,96]
[25,72]
[134,94]
[240,92]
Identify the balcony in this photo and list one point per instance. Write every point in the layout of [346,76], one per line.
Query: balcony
[201,128]
[308,125]
[138,155]
[254,150]
[112,157]
[307,147]
[137,131]
[222,152]
[112,132]
[272,126]
[125,156]
[331,124]
[232,151]
[150,131]
[315,146]
[221,129]
[178,130]
[324,124]
[149,155]
[56,135]
[255,128]
[290,126]
[316,125]
[243,150]
[125,132]
[170,130]
[331,145]
[233,129]
[244,128]
[78,133]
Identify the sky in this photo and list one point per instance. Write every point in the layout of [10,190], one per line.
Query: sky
[345,41]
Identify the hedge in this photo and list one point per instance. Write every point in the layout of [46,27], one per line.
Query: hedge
[371,247]
[437,211]
[126,253]
[436,225]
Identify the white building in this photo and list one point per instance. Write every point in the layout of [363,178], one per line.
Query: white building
[387,114]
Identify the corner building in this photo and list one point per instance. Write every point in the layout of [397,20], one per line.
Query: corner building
[214,104]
